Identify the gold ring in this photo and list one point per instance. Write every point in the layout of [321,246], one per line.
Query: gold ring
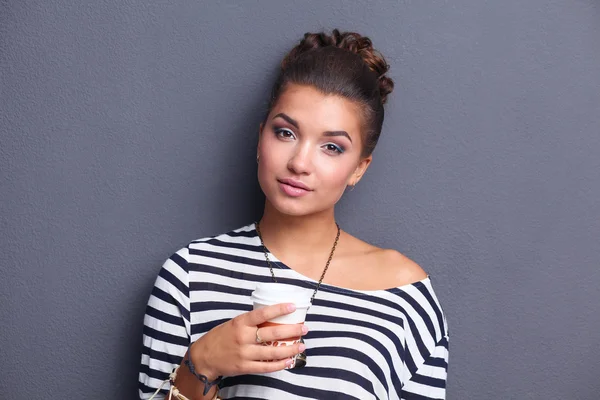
[258,339]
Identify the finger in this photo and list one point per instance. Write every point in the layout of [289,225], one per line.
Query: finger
[264,367]
[282,332]
[257,317]
[264,353]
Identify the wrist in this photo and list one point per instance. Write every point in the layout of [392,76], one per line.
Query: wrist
[199,363]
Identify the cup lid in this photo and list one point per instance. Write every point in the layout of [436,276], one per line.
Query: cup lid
[275,293]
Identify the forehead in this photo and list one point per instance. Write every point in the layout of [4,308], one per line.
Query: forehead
[316,111]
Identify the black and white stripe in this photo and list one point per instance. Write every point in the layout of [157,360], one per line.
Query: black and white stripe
[384,344]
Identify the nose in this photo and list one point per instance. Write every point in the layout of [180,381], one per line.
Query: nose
[301,161]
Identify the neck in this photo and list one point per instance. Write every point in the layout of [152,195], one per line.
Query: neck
[296,236]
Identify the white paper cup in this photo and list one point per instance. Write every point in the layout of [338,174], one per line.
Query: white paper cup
[268,294]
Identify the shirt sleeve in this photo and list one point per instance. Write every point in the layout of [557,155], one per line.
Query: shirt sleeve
[429,381]
[166,334]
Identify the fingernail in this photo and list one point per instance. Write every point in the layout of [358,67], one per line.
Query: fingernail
[291,307]
[304,329]
[289,363]
[302,347]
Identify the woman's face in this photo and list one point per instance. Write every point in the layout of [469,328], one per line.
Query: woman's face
[310,149]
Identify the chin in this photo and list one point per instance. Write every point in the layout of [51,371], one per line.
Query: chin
[298,207]
[293,208]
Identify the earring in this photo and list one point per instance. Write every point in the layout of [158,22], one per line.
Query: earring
[257,159]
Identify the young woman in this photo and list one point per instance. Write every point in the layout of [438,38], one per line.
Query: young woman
[375,329]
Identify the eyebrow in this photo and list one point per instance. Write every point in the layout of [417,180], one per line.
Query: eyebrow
[293,122]
[338,133]
[288,119]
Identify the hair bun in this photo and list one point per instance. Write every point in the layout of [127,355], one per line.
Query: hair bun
[353,42]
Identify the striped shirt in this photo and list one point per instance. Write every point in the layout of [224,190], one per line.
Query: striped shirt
[378,344]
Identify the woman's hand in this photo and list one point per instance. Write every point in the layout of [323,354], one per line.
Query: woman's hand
[231,348]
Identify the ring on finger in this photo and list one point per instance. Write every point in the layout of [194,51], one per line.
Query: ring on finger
[258,339]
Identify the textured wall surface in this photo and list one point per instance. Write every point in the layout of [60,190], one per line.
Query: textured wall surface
[128,129]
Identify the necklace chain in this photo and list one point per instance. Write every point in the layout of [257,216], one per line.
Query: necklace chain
[337,238]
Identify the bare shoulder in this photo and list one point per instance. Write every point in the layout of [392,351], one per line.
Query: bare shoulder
[398,266]
[381,268]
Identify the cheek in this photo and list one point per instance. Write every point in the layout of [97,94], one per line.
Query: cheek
[272,157]
[336,176]
[272,161]
[333,183]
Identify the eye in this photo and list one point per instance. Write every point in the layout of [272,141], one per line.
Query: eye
[334,148]
[284,133]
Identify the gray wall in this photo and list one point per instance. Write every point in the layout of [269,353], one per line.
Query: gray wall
[128,129]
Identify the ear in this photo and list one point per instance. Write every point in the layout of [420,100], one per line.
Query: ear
[260,130]
[360,170]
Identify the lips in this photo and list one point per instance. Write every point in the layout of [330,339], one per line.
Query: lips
[295,184]
[293,188]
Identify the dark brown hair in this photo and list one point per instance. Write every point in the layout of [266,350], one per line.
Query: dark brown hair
[343,64]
